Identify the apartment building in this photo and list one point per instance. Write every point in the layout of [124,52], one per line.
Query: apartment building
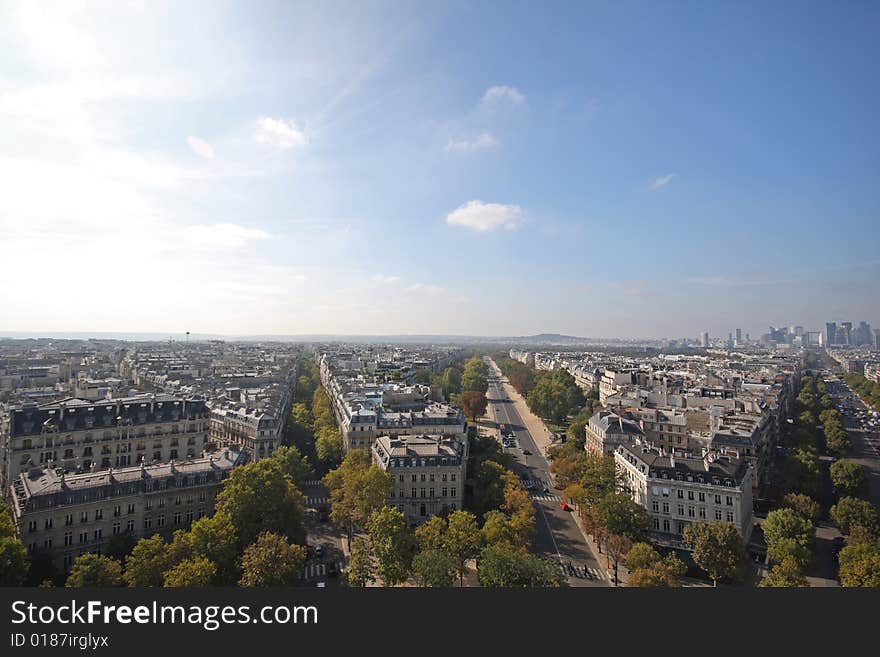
[66,515]
[428,472]
[606,430]
[678,489]
[76,434]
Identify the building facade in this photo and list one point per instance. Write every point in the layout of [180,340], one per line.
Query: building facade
[66,515]
[428,473]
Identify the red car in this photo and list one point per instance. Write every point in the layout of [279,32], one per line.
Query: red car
[564,506]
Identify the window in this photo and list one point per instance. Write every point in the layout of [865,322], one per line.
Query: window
[452,478]
[84,516]
[68,520]
[655,506]
[729,501]
[717,514]
[666,524]
[117,510]
[679,494]
[430,492]
[32,526]
[666,507]
[730,516]
[680,509]
[443,492]
[717,499]
[117,527]
[160,520]
[177,517]
[422,492]
[130,509]
[703,512]
[452,493]
[48,523]
[414,478]
[148,522]
[691,495]
[701,497]
[657,524]
[97,534]
[414,493]
[129,526]
[423,476]
[691,512]
[68,538]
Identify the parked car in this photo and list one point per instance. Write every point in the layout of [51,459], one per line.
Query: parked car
[564,506]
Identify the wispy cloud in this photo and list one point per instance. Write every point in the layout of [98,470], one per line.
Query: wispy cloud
[385,280]
[662,181]
[200,146]
[485,140]
[502,94]
[229,236]
[426,288]
[484,217]
[280,133]
[632,288]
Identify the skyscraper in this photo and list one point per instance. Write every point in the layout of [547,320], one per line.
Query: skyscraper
[704,339]
[739,336]
[830,333]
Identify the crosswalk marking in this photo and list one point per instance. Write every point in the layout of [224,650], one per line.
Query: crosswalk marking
[583,572]
[312,482]
[315,501]
[314,570]
[547,497]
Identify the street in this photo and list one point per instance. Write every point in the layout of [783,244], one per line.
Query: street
[558,537]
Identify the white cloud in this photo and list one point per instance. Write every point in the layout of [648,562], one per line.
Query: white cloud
[426,288]
[499,94]
[280,133]
[662,181]
[200,146]
[484,217]
[380,278]
[483,141]
[229,236]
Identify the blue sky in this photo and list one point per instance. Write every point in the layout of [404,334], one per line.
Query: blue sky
[600,169]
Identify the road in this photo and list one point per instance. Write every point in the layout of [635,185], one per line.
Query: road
[558,536]
[866,444]
[325,556]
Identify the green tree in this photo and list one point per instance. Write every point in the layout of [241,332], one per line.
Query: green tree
[434,568]
[503,565]
[624,517]
[496,529]
[260,497]
[789,534]
[90,570]
[272,561]
[329,446]
[665,573]
[474,377]
[357,489]
[191,573]
[785,574]
[147,562]
[360,564]
[461,541]
[642,556]
[216,539]
[391,541]
[429,535]
[13,555]
[717,549]
[294,465]
[860,565]
[805,505]
[849,478]
[850,513]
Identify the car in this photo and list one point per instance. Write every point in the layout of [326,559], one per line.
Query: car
[319,551]
[527,452]
[332,570]
[564,506]
[323,517]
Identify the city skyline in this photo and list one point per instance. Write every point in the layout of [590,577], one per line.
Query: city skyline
[608,171]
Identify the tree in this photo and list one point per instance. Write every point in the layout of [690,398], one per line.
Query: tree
[474,377]
[216,539]
[434,568]
[849,478]
[360,564]
[260,497]
[789,534]
[802,472]
[805,505]
[271,561]
[13,555]
[624,517]
[785,574]
[357,489]
[461,541]
[850,513]
[391,541]
[329,446]
[147,562]
[860,565]
[294,465]
[717,549]
[429,535]
[91,570]
[120,546]
[191,573]
[502,565]
[496,529]
[616,548]
[474,404]
[642,556]
[665,573]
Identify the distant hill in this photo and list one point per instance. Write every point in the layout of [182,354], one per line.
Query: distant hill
[550,338]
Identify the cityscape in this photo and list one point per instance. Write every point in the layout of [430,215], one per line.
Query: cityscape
[342,295]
